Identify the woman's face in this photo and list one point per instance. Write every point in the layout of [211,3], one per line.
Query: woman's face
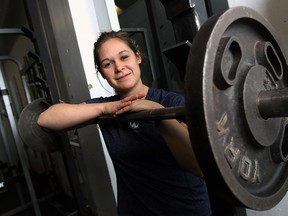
[119,65]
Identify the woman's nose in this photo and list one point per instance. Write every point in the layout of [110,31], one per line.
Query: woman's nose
[118,66]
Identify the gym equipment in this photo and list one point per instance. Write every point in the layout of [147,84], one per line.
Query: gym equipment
[235,90]
[236,80]
[34,136]
[44,140]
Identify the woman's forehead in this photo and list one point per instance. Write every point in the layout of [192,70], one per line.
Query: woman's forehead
[113,46]
[114,42]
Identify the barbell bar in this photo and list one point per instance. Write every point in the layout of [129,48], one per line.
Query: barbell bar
[235,108]
[45,140]
[156,114]
[270,103]
[266,105]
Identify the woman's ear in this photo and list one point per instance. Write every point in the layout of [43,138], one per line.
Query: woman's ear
[138,57]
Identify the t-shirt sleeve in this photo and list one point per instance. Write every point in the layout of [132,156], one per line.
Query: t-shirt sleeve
[171,99]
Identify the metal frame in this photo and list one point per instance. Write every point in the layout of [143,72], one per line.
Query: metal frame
[147,44]
[35,12]
[41,46]
[20,68]
[19,144]
[152,14]
[11,31]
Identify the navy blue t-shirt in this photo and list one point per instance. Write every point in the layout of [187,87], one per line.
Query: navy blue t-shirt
[149,180]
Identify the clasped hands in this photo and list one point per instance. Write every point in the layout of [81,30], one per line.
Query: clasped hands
[133,103]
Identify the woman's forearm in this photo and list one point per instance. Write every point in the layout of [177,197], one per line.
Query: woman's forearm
[177,138]
[64,116]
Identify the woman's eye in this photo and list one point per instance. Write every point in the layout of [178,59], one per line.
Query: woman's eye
[124,57]
[106,65]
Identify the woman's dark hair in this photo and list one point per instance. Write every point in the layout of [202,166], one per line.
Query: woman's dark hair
[124,36]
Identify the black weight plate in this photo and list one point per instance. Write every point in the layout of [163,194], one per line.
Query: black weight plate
[35,137]
[236,161]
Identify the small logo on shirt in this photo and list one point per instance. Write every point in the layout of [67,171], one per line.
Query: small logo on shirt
[134,125]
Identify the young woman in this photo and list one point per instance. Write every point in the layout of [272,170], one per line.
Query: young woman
[156,169]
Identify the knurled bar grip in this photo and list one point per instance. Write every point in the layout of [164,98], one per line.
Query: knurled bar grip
[156,114]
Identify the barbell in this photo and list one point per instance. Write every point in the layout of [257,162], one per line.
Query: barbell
[236,109]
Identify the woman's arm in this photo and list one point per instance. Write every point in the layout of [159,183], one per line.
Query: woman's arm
[177,138]
[175,134]
[64,116]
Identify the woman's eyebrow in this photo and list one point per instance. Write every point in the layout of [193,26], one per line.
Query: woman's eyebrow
[106,59]
[121,52]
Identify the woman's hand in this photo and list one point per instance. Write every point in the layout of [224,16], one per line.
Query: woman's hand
[118,107]
[139,105]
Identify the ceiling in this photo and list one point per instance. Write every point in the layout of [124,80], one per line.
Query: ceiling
[12,15]
[12,11]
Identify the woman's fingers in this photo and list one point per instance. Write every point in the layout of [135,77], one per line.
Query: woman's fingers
[123,110]
[135,103]
[122,105]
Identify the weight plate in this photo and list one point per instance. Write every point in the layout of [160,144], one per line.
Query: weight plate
[35,137]
[234,56]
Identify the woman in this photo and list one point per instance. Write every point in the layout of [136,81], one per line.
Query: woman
[156,169]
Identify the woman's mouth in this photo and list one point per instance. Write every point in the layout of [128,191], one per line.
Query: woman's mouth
[122,77]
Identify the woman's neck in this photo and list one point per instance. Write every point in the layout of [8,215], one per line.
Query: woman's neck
[140,89]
